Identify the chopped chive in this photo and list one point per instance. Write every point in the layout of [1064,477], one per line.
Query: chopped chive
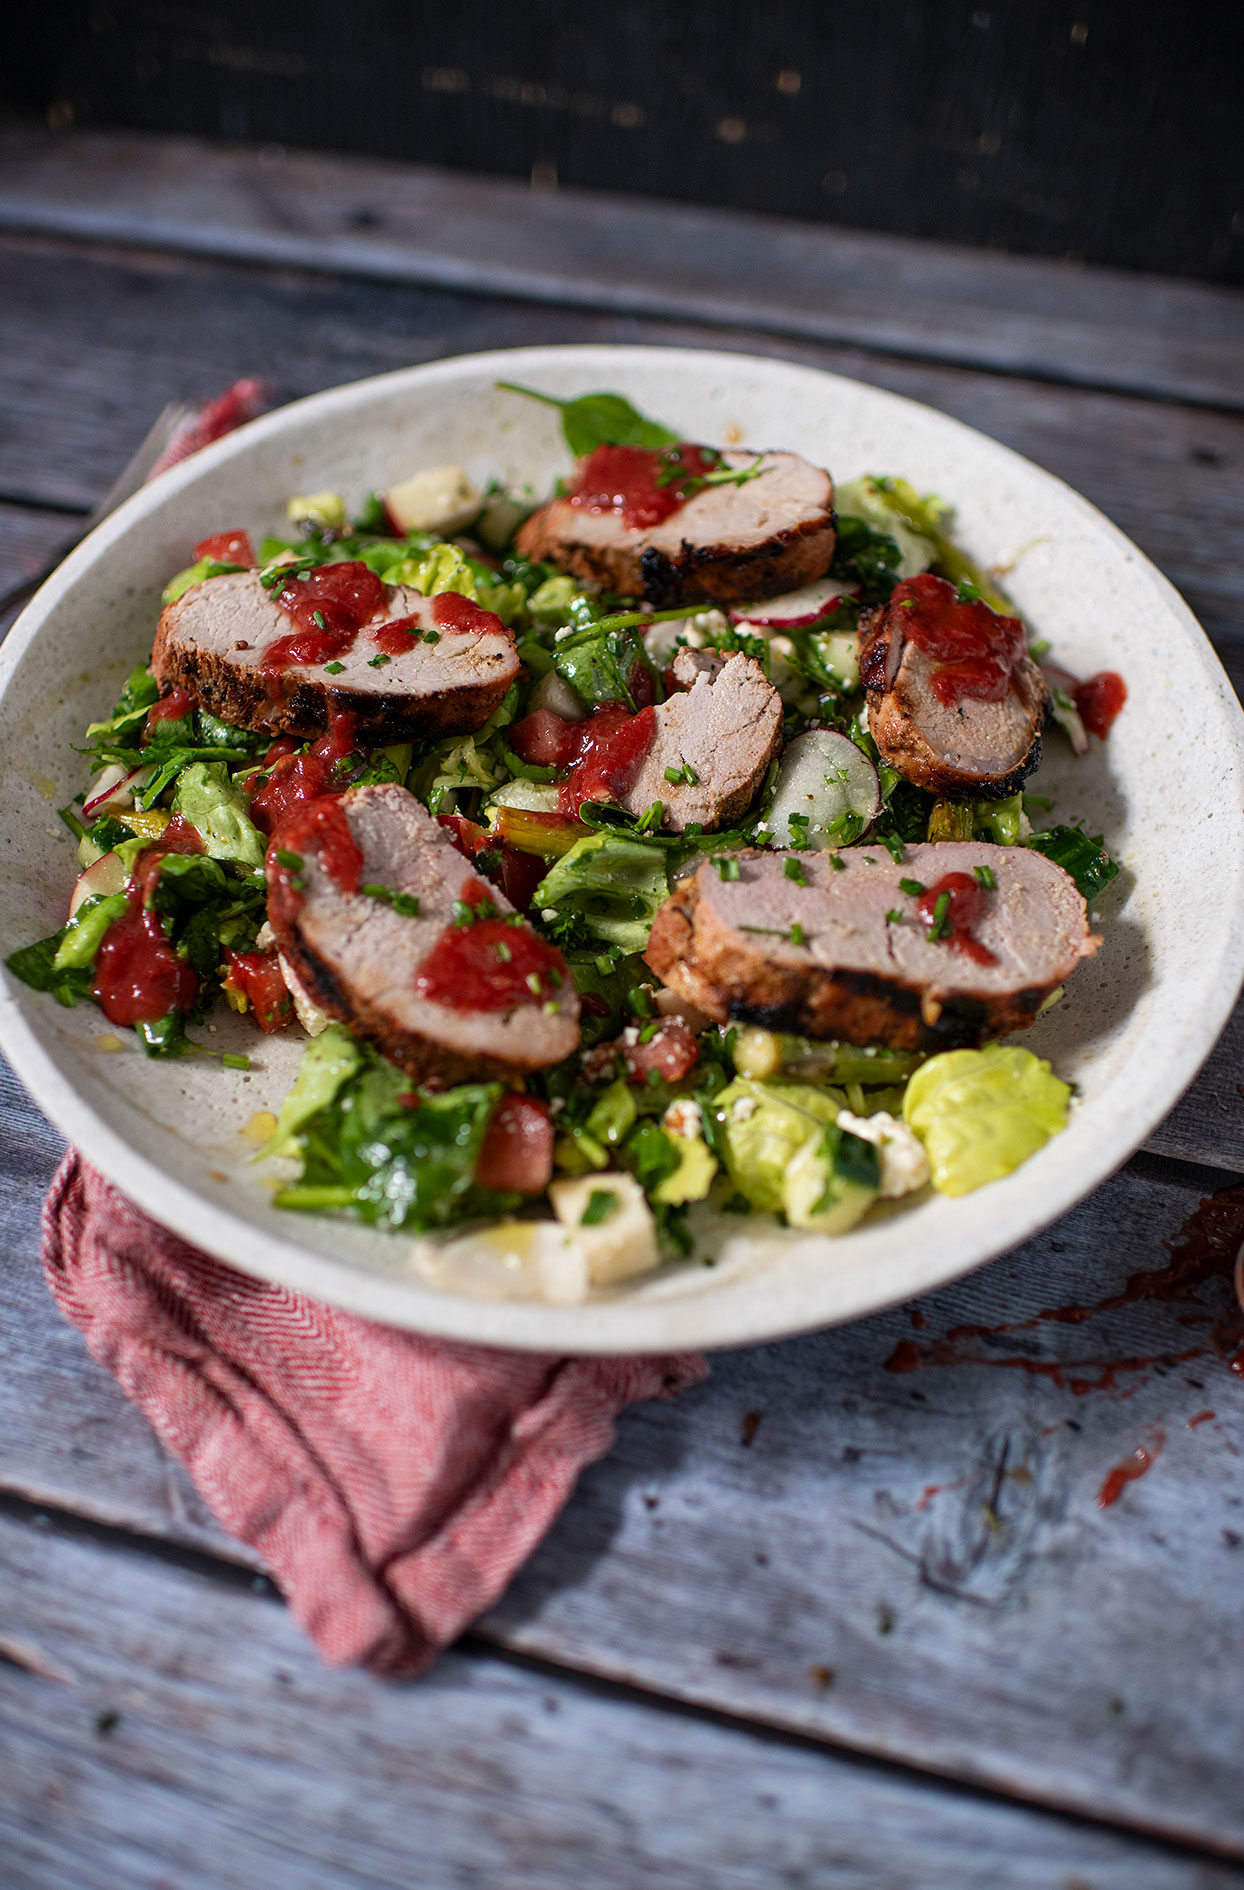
[769,931]
[940,928]
[405,903]
[649,1030]
[232,1062]
[550,1007]
[504,954]
[601,1203]
[893,918]
[1040,648]
[294,861]
[726,867]
[639,1001]
[464,913]
[534,985]
[893,846]
[334,669]
[837,862]
[378,662]
[911,887]
[796,934]
[604,964]
[317,618]
[431,636]
[793,869]
[684,773]
[984,876]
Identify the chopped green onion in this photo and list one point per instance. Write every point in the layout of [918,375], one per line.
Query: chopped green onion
[793,869]
[431,636]
[837,862]
[911,887]
[293,861]
[726,867]
[893,918]
[601,1203]
[334,669]
[464,912]
[984,876]
[232,1062]
[377,662]
[684,774]
[534,985]
[940,927]
[796,934]
[504,954]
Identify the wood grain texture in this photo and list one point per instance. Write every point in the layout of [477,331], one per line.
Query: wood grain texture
[575,249]
[891,1564]
[191,1738]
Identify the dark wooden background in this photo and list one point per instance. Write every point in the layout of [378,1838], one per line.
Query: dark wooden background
[1104,130]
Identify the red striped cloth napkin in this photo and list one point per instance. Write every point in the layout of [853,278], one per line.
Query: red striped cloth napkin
[392,1484]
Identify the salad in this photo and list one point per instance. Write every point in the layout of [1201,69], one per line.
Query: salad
[655,852]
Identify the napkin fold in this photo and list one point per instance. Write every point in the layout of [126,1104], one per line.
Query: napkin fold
[391,1483]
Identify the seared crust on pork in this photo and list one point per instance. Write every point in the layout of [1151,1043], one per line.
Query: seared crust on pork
[859,976]
[972,750]
[212,642]
[727,544]
[357,959]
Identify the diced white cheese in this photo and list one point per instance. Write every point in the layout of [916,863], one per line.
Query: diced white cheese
[622,1244]
[308,1013]
[683,1117]
[441,499]
[904,1164]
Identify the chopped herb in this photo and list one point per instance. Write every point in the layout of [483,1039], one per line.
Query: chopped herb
[793,869]
[726,867]
[894,847]
[601,1204]
[639,1001]
[798,824]
[684,774]
[463,911]
[769,931]
[984,876]
[504,954]
[968,593]
[294,862]
[431,636]
[911,887]
[232,1062]
[796,934]
[405,903]
[893,918]
[378,662]
[907,603]
[317,618]
[650,1030]
[334,669]
[534,985]
[940,927]
[837,862]
[1039,649]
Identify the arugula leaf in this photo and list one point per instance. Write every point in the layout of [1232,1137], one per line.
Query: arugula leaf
[600,420]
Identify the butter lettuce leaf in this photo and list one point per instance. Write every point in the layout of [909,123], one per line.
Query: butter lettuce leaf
[981,1113]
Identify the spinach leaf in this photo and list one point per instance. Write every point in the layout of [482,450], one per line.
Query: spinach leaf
[600,420]
[1084,857]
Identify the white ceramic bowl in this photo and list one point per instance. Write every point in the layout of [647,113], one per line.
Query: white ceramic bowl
[1137,1023]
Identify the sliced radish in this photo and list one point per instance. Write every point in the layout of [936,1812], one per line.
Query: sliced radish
[100,881]
[797,610]
[113,787]
[827,793]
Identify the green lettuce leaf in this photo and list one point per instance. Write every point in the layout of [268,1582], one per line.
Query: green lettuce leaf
[218,812]
[607,887]
[980,1113]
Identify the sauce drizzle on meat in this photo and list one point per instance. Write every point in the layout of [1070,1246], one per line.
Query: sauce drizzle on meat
[964,907]
[977,651]
[643,486]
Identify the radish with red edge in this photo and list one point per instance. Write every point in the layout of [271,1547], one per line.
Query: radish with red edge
[107,875]
[114,787]
[827,793]
[797,610]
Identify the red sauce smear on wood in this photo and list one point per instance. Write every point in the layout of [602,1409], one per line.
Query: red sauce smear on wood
[976,650]
[1140,1461]
[1202,1417]
[329,607]
[1203,1256]
[965,908]
[644,487]
[295,777]
[318,828]
[139,976]
[226,548]
[489,965]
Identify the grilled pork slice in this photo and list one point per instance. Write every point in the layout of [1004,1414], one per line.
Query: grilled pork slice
[771,534]
[214,641]
[716,738]
[937,734]
[371,965]
[851,955]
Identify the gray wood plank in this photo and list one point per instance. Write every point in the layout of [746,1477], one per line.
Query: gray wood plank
[28,538]
[586,249]
[910,1565]
[174,1729]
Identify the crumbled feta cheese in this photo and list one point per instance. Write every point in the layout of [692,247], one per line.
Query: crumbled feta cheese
[683,1118]
[701,630]
[743,1109]
[904,1164]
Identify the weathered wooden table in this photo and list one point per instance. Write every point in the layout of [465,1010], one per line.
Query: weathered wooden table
[819,1622]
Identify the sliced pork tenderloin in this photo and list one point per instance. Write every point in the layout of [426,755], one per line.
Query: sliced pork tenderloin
[716,738]
[217,642]
[965,725]
[366,962]
[845,952]
[770,534]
